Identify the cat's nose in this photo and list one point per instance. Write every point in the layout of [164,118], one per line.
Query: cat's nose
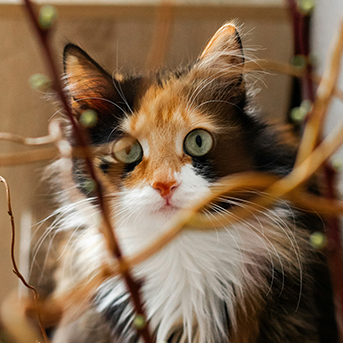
[166,187]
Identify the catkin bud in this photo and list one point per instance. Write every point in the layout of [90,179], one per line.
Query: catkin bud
[89,118]
[89,186]
[298,61]
[306,6]
[298,114]
[318,240]
[139,322]
[47,16]
[40,82]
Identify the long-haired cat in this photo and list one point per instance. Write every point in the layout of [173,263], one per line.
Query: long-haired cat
[165,139]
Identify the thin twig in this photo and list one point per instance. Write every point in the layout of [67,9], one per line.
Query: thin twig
[26,140]
[287,69]
[301,41]
[55,133]
[14,263]
[31,156]
[272,65]
[42,154]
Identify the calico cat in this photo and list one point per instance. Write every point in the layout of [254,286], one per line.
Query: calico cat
[166,139]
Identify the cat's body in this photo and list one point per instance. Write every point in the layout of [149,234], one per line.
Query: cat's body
[253,281]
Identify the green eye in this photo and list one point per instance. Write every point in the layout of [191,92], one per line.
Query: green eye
[198,143]
[127,150]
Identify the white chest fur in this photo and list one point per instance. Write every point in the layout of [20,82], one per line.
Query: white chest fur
[195,282]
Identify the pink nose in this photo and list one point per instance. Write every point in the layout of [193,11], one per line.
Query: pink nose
[165,188]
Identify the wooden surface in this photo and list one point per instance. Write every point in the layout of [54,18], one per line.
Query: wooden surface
[239,3]
[191,9]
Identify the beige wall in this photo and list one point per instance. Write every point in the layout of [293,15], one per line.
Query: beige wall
[326,20]
[127,40]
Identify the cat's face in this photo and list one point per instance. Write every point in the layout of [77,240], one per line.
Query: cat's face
[167,137]
[172,151]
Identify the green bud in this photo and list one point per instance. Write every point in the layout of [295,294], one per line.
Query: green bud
[298,115]
[89,186]
[306,6]
[89,118]
[139,322]
[40,82]
[298,61]
[47,16]
[318,240]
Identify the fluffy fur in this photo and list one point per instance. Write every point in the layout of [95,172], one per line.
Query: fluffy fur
[249,282]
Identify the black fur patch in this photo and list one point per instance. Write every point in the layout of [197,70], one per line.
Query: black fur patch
[122,328]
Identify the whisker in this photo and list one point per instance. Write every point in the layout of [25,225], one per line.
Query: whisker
[289,234]
[249,225]
[203,84]
[220,101]
[120,92]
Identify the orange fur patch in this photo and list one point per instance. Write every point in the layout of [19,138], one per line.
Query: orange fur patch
[163,121]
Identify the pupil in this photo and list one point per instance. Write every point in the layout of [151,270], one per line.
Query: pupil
[198,140]
[128,150]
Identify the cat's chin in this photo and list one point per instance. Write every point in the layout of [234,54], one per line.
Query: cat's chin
[167,209]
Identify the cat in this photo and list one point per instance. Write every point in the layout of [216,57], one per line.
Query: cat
[166,138]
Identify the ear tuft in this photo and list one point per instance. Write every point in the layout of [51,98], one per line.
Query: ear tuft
[85,78]
[224,49]
[75,57]
[93,91]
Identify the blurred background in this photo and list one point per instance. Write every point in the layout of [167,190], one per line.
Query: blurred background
[119,34]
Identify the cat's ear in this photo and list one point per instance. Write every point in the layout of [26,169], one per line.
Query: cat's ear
[224,51]
[88,84]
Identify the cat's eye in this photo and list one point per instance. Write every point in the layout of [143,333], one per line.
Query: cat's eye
[127,150]
[198,143]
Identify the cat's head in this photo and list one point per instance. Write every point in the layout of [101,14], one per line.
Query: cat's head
[165,137]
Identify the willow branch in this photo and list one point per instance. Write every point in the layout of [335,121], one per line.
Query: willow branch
[14,263]
[287,69]
[55,133]
[301,42]
[272,65]
[32,156]
[26,140]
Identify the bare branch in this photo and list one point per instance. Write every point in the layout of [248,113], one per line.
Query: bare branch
[14,263]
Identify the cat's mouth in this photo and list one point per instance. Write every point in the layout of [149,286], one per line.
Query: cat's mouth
[167,208]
